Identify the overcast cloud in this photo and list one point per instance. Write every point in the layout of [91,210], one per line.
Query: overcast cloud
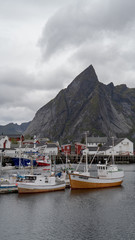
[45,44]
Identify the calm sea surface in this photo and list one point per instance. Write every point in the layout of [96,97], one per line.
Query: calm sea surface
[71,214]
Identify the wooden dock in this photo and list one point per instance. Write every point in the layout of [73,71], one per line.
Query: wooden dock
[73,158]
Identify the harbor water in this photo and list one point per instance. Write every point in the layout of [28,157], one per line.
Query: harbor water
[107,214]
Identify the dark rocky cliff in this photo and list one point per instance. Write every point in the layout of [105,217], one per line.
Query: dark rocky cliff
[86,104]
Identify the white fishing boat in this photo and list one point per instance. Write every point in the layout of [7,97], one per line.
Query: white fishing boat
[40,184]
[108,175]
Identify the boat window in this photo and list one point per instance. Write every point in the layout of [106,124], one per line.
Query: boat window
[46,180]
[30,177]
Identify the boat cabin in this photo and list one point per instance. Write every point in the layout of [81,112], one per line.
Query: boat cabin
[27,178]
[30,178]
[102,169]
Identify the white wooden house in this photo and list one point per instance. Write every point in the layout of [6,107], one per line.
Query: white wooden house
[93,143]
[5,142]
[122,146]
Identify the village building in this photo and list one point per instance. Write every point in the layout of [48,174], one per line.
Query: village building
[66,148]
[96,141]
[16,137]
[5,142]
[120,146]
[49,149]
[79,147]
[93,144]
[116,146]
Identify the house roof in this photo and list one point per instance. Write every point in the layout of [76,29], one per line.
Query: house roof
[63,145]
[109,143]
[51,145]
[97,139]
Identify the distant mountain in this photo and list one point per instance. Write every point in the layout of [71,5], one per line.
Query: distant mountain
[12,128]
[86,105]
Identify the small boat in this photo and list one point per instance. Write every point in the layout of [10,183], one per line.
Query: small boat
[8,185]
[43,161]
[40,184]
[108,175]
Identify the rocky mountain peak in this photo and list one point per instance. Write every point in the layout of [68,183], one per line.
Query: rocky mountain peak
[86,104]
[85,77]
[83,85]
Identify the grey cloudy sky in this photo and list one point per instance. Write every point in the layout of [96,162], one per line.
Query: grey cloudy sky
[45,44]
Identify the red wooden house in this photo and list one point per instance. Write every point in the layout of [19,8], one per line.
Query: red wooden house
[79,147]
[66,149]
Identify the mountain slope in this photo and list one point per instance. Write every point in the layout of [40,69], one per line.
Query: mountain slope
[86,105]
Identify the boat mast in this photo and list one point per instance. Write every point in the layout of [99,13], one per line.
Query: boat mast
[112,150]
[1,164]
[66,160]
[2,152]
[86,150]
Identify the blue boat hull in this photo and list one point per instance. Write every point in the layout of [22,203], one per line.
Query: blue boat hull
[25,162]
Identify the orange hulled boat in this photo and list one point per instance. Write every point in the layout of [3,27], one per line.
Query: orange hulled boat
[108,175]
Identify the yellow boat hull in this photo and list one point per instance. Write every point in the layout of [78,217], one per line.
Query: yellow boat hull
[93,183]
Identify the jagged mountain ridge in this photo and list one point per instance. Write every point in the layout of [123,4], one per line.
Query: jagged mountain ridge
[13,128]
[86,104]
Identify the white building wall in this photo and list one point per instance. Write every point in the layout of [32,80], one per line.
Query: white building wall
[95,141]
[89,152]
[93,144]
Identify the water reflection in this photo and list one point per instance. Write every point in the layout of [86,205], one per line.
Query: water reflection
[99,190]
[107,214]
